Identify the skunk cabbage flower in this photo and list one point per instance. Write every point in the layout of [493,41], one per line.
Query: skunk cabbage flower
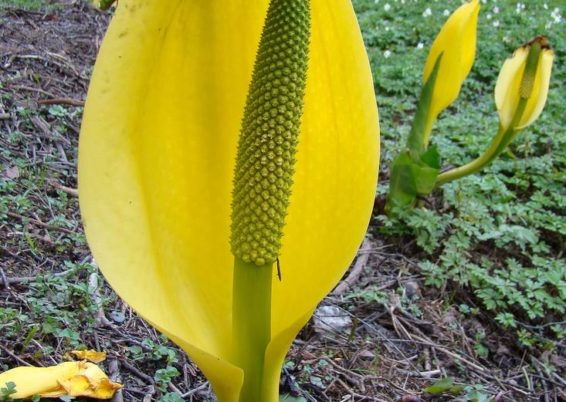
[520,95]
[194,165]
[456,45]
[524,80]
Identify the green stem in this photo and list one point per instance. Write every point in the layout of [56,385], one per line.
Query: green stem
[251,324]
[498,144]
[473,166]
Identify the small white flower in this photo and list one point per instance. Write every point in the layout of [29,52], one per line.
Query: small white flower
[420,45]
[387,7]
[545,6]
[496,23]
[386,54]
[446,13]
[556,15]
[496,10]
[427,12]
[488,16]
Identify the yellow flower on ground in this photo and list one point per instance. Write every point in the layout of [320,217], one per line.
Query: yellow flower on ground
[518,84]
[66,379]
[456,44]
[157,156]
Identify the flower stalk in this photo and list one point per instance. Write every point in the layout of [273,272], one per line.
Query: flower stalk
[251,324]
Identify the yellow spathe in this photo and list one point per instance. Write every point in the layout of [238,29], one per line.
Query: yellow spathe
[456,42]
[156,160]
[507,89]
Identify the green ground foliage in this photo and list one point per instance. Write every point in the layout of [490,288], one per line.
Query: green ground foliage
[498,234]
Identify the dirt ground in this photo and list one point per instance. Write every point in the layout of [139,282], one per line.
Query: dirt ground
[387,352]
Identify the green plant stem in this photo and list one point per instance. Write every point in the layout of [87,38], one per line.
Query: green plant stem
[498,144]
[251,324]
[475,165]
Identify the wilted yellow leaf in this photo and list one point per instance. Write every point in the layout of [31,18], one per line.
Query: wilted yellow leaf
[90,355]
[70,378]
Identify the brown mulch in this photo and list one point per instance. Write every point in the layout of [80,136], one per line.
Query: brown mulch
[403,337]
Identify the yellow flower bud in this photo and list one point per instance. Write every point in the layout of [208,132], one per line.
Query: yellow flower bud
[456,42]
[524,79]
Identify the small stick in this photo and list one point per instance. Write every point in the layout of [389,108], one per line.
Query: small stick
[114,372]
[71,191]
[4,279]
[137,372]
[355,272]
[35,278]
[37,222]
[14,356]
[61,101]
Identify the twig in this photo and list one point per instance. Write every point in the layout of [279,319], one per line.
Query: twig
[37,222]
[195,390]
[4,279]
[356,271]
[449,353]
[137,372]
[71,191]
[14,356]
[23,279]
[93,290]
[61,101]
[114,372]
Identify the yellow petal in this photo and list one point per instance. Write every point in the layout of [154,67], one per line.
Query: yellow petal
[457,44]
[508,85]
[70,378]
[37,380]
[90,355]
[507,89]
[540,91]
[157,155]
[90,382]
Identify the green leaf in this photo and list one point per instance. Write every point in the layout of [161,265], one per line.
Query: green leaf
[402,186]
[442,386]
[431,157]
[418,136]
